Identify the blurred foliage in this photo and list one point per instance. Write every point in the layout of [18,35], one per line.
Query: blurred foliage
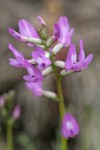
[25,142]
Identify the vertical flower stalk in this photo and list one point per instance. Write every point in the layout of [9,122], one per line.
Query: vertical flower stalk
[62,111]
[61,102]
[9,137]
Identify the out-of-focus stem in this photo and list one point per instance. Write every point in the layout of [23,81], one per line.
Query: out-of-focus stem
[9,137]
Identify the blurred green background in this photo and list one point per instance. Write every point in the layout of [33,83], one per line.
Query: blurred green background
[37,128]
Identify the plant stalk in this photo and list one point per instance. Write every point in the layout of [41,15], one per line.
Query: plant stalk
[9,137]
[62,111]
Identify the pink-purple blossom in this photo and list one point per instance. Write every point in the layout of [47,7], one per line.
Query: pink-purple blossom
[19,60]
[26,29]
[2,101]
[63,32]
[77,63]
[36,88]
[34,74]
[39,56]
[16,112]
[70,127]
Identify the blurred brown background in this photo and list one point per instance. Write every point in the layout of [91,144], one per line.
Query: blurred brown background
[81,90]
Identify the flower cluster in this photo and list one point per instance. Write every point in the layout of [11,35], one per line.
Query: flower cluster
[42,61]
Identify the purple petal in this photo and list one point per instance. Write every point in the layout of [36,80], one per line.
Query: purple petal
[56,31]
[71,32]
[17,112]
[26,29]
[16,35]
[70,127]
[71,57]
[15,52]
[87,61]
[20,60]
[34,73]
[15,63]
[41,20]
[2,101]
[38,74]
[36,88]
[81,54]
[39,56]
[65,33]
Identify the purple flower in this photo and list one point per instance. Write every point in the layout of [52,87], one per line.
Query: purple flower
[63,32]
[34,74]
[19,61]
[2,101]
[25,30]
[40,58]
[71,60]
[36,88]
[16,112]
[70,127]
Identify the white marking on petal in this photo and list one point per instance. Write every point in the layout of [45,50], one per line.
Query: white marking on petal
[69,125]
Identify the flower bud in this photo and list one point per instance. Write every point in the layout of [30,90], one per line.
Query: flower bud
[57,48]
[50,41]
[50,94]
[47,71]
[70,127]
[64,72]
[41,21]
[2,101]
[16,112]
[34,40]
[60,64]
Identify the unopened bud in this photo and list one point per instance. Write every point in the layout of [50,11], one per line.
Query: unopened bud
[34,40]
[43,33]
[42,22]
[64,72]
[60,64]
[2,101]
[57,48]
[16,112]
[50,94]
[47,71]
[47,55]
[50,41]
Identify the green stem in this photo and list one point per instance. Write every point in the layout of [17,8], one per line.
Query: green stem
[61,101]
[9,138]
[62,112]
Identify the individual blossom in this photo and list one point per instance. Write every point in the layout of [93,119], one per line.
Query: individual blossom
[77,63]
[19,60]
[41,59]
[16,112]
[2,101]
[34,74]
[63,32]
[36,87]
[26,30]
[70,126]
